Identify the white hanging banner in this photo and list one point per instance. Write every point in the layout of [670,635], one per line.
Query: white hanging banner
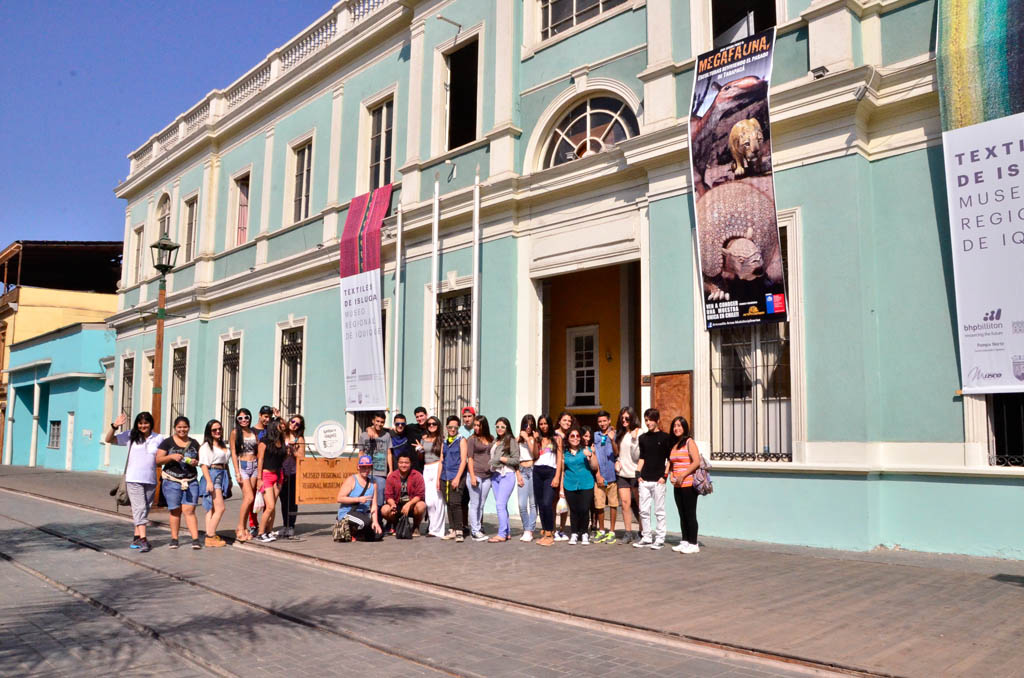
[985,189]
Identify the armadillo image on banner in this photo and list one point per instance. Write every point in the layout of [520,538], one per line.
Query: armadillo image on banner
[738,241]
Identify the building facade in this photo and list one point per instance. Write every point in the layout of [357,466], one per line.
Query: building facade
[841,428]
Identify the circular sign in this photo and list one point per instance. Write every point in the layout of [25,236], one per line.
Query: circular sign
[330,439]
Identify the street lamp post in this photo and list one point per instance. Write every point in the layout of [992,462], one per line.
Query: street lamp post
[165,254]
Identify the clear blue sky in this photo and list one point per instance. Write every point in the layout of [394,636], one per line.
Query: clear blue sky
[86,81]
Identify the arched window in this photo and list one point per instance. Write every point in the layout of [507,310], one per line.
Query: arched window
[163,216]
[590,127]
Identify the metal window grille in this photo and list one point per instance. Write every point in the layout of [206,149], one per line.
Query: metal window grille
[1006,422]
[191,210]
[179,364]
[380,144]
[229,380]
[454,328]
[127,386]
[242,222]
[54,441]
[291,371]
[303,171]
[582,378]
[561,15]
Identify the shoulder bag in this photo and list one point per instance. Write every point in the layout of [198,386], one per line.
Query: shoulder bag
[701,476]
[120,491]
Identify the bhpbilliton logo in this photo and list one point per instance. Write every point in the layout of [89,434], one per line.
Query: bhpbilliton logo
[992,316]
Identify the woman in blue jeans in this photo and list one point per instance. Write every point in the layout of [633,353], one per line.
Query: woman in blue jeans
[546,480]
[504,473]
[527,505]
[478,458]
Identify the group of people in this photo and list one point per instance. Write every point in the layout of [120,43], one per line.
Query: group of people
[263,455]
[444,474]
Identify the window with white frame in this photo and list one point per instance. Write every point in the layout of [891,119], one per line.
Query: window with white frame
[191,214]
[557,16]
[163,217]
[461,94]
[179,367]
[581,384]
[127,386]
[242,209]
[1006,429]
[229,371]
[381,120]
[733,20]
[290,398]
[54,439]
[592,125]
[140,239]
[303,178]
[751,389]
[455,352]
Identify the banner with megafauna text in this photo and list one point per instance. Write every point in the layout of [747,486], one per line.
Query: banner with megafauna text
[738,240]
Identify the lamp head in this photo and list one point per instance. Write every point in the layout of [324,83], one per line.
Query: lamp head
[165,254]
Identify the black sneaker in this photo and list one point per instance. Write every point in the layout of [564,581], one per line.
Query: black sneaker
[144,546]
[196,545]
[173,544]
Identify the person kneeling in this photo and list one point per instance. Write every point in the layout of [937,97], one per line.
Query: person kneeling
[357,511]
[403,496]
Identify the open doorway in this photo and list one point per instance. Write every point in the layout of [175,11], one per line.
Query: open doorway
[591,341]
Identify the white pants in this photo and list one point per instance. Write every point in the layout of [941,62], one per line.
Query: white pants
[652,493]
[436,512]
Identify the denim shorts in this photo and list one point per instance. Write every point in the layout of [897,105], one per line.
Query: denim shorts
[222,479]
[249,468]
[175,496]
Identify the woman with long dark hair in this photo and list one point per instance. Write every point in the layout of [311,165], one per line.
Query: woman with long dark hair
[429,450]
[179,455]
[244,449]
[295,439]
[478,452]
[546,479]
[139,469]
[684,459]
[504,471]
[579,464]
[215,485]
[272,453]
[527,441]
[627,437]
[566,421]
[453,477]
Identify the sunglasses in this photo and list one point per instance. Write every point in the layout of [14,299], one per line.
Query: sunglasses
[431,425]
[295,421]
[216,430]
[243,418]
[399,424]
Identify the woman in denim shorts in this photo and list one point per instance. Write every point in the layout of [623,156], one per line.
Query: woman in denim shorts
[215,485]
[179,455]
[244,447]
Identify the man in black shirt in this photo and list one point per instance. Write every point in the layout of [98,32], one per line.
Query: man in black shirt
[413,433]
[653,471]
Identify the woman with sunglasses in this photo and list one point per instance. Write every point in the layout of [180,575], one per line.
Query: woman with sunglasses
[566,422]
[504,474]
[272,453]
[453,477]
[429,450]
[546,477]
[295,439]
[215,485]
[627,439]
[579,464]
[244,446]
[527,441]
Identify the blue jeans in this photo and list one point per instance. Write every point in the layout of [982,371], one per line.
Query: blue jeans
[379,482]
[503,486]
[527,503]
[477,499]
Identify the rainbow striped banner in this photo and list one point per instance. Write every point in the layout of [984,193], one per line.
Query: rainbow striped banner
[980,60]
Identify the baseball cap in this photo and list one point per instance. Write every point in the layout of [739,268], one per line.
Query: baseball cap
[365,460]
[266,409]
[469,409]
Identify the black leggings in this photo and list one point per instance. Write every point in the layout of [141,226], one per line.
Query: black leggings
[456,506]
[544,495]
[291,509]
[686,504]
[579,502]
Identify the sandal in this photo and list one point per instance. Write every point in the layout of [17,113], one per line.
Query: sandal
[495,540]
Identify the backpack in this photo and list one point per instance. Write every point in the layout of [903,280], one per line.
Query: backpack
[702,478]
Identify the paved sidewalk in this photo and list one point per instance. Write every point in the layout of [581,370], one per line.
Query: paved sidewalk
[889,612]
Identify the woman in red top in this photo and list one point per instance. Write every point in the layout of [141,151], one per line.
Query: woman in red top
[684,459]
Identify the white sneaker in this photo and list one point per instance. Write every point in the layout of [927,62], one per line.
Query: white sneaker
[560,536]
[646,541]
[586,539]
[680,547]
[572,539]
[692,548]
[527,536]
[479,536]
[657,546]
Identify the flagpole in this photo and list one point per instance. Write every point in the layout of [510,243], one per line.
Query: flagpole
[433,296]
[475,301]
[397,314]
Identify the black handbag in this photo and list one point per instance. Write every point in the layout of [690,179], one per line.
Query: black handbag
[120,491]
[403,529]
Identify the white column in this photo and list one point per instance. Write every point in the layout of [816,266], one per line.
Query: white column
[659,76]
[69,446]
[396,314]
[36,393]
[127,255]
[334,167]
[432,403]
[645,305]
[9,428]
[474,388]
[830,36]
[503,144]
[207,225]
[268,160]
[414,115]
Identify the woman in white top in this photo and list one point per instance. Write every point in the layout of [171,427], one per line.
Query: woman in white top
[429,448]
[215,485]
[627,436]
[139,469]
[524,478]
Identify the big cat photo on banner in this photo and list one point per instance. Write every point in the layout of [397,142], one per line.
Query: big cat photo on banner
[734,191]
[362,339]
